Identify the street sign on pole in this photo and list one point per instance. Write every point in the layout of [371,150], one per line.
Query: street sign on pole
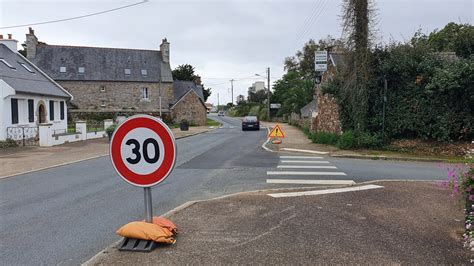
[321,61]
[143,152]
[276,132]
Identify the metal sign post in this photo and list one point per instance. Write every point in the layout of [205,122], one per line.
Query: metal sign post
[148,206]
[143,152]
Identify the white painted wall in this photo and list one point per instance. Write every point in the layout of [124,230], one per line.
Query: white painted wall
[7,93]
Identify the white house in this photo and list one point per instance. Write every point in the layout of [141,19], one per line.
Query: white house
[28,97]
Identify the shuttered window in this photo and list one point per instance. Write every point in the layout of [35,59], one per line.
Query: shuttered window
[14,104]
[51,110]
[31,111]
[61,109]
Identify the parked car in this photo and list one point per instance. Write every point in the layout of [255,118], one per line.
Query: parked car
[250,122]
[220,113]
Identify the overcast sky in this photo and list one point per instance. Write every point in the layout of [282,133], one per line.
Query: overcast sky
[222,39]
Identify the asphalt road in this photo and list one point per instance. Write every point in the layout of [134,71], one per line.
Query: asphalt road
[66,215]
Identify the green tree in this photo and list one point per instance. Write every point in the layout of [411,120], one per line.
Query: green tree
[453,37]
[186,73]
[293,92]
[257,97]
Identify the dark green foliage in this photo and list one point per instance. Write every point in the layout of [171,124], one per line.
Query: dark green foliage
[325,138]
[346,141]
[429,96]
[8,143]
[293,92]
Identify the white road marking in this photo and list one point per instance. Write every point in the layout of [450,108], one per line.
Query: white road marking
[307,166]
[303,173]
[300,157]
[292,161]
[311,182]
[324,191]
[307,151]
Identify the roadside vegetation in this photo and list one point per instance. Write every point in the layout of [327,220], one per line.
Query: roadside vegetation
[8,143]
[212,123]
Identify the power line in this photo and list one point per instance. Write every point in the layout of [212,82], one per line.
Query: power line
[308,19]
[73,18]
[313,20]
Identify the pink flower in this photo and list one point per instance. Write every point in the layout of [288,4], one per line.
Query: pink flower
[471,197]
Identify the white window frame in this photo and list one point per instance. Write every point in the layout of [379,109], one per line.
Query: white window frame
[145,93]
[102,103]
[144,72]
[62,69]
[128,70]
[102,88]
[6,63]
[26,67]
[81,68]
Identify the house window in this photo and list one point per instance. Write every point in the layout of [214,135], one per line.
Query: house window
[102,88]
[145,93]
[144,72]
[128,71]
[31,111]
[81,70]
[51,110]
[26,67]
[14,105]
[61,110]
[102,103]
[62,69]
[6,63]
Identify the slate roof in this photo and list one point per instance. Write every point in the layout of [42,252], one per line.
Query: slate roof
[21,80]
[102,64]
[182,87]
[306,111]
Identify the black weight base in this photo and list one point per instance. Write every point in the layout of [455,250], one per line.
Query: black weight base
[137,245]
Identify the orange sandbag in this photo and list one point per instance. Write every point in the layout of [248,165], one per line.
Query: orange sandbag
[146,231]
[163,222]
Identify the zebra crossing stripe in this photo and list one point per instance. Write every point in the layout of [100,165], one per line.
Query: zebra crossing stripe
[324,191]
[300,157]
[303,173]
[293,161]
[307,166]
[310,182]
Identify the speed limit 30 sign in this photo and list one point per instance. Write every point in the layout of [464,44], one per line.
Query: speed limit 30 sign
[143,150]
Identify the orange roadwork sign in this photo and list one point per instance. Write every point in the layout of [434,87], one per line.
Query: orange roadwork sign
[276,132]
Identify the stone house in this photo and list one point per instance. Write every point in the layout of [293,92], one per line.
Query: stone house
[326,119]
[189,103]
[108,80]
[28,97]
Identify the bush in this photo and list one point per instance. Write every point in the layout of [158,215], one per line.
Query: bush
[325,138]
[8,143]
[366,140]
[347,141]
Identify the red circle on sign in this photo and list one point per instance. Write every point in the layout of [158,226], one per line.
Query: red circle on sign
[162,130]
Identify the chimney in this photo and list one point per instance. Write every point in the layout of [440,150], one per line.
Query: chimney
[11,43]
[31,43]
[165,51]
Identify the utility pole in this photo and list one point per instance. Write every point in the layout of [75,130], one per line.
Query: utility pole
[384,101]
[268,94]
[232,91]
[217,102]
[159,92]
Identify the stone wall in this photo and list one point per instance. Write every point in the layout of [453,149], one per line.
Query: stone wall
[112,96]
[327,119]
[190,108]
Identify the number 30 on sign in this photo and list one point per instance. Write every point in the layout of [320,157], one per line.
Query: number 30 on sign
[143,150]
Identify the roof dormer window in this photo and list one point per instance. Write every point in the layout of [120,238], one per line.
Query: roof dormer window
[62,69]
[144,72]
[6,63]
[81,70]
[128,71]
[26,67]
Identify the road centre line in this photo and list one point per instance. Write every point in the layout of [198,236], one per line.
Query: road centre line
[300,157]
[303,173]
[324,191]
[307,166]
[292,161]
[311,182]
